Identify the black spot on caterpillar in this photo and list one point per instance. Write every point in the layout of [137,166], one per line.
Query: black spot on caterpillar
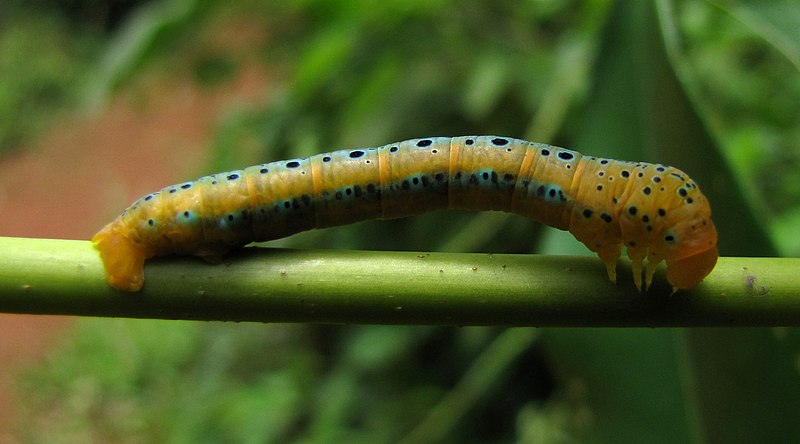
[599,201]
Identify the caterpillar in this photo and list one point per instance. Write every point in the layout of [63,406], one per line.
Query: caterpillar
[657,212]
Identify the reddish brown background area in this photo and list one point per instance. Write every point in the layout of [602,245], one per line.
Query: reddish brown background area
[87,168]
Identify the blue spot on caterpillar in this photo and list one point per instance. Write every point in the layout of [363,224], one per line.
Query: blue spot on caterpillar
[656,211]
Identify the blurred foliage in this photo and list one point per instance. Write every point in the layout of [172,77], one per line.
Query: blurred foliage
[101,16]
[47,53]
[711,86]
[144,381]
[34,89]
[752,89]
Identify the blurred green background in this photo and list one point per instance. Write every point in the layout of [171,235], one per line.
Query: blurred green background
[712,87]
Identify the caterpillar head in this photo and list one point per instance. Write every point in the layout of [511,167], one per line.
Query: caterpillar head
[691,246]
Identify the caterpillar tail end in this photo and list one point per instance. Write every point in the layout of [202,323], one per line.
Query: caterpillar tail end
[123,259]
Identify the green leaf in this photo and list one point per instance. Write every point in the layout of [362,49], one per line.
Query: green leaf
[777,22]
[746,384]
[621,385]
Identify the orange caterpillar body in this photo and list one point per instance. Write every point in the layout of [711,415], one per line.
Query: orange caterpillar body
[657,212]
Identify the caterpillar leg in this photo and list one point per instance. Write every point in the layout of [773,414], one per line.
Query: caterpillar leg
[611,269]
[609,254]
[123,259]
[637,267]
[651,270]
[212,255]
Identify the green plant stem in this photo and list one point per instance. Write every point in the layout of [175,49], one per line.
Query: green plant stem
[44,276]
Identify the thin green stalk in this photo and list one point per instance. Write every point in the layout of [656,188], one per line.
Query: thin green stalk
[44,276]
